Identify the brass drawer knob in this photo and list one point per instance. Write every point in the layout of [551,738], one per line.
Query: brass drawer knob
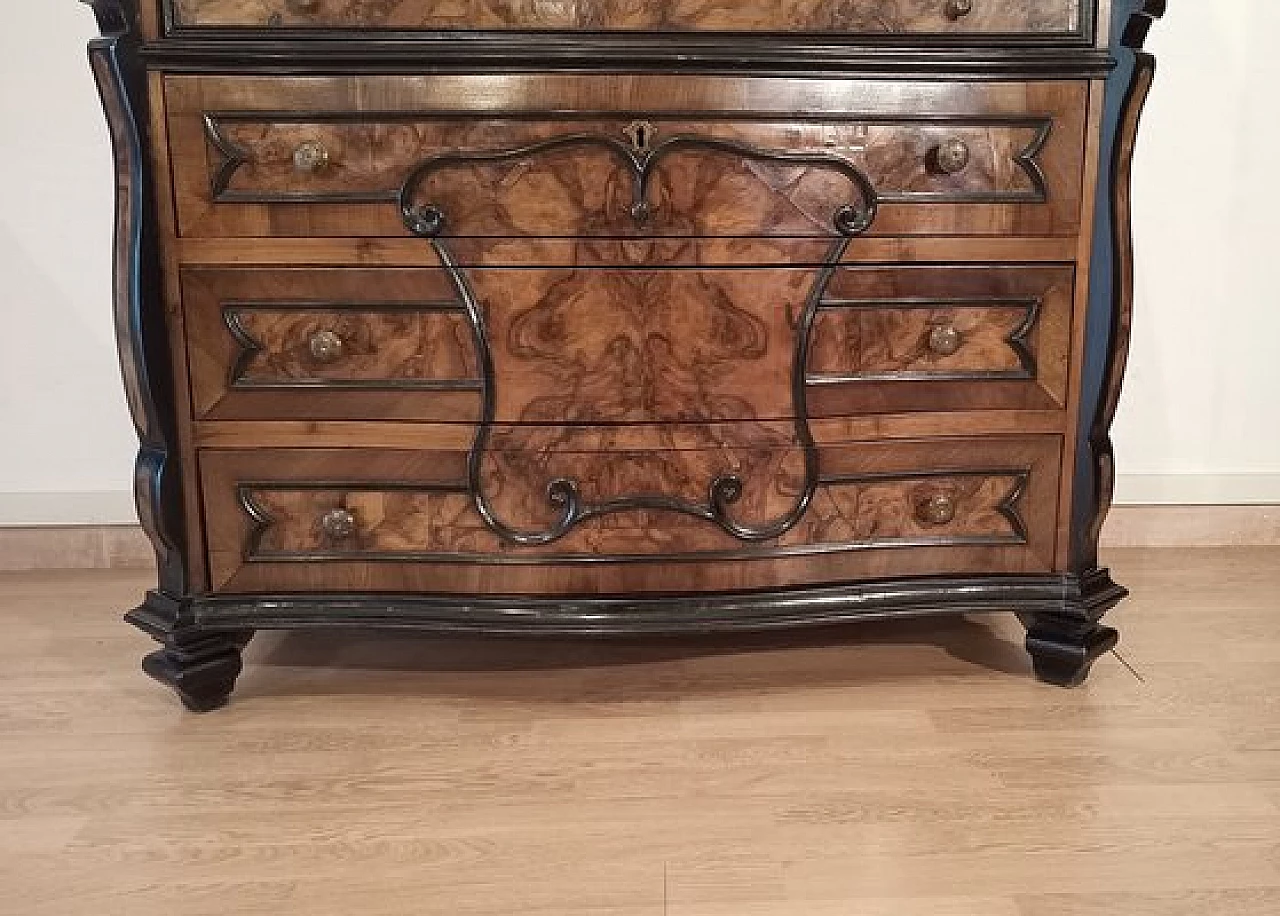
[338,524]
[939,509]
[952,156]
[325,347]
[302,7]
[310,157]
[958,9]
[944,340]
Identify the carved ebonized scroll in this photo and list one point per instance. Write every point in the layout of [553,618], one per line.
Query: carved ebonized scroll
[639,163]
[139,313]
[1111,300]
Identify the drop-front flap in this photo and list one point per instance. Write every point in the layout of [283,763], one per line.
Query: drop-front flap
[976,18]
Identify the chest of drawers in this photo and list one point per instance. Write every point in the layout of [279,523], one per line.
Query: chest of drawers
[603,317]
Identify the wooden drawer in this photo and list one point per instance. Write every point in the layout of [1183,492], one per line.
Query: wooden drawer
[592,156]
[1046,18]
[315,343]
[322,520]
[619,345]
[941,338]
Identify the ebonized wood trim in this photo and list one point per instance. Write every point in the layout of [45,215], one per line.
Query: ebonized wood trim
[1072,595]
[731,55]
[139,311]
[1110,309]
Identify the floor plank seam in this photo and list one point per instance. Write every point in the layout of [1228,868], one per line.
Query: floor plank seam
[1132,670]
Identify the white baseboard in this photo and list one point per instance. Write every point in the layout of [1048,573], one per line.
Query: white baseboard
[1198,489]
[115,507]
[99,507]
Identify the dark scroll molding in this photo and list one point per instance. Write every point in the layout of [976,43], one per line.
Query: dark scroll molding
[564,495]
[1111,277]
[138,306]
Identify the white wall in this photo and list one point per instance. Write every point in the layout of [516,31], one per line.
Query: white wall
[64,428]
[1199,420]
[1198,423]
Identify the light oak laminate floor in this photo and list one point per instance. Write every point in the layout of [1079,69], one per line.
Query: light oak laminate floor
[906,769]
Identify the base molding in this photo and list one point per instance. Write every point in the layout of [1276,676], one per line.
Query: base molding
[1083,598]
[201,637]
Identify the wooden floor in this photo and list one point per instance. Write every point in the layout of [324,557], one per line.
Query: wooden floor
[910,769]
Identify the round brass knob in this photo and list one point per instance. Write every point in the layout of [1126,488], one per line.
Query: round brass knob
[310,157]
[952,156]
[302,6]
[944,340]
[325,347]
[939,509]
[339,524]
[958,9]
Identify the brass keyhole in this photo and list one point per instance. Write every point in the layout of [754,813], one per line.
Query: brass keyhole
[641,134]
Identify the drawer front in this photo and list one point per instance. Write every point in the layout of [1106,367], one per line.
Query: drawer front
[868,17]
[621,345]
[977,337]
[338,343]
[306,520]
[295,157]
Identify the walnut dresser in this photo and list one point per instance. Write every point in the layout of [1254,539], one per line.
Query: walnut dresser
[610,317]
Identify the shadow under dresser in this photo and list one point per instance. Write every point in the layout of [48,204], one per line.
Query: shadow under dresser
[595,317]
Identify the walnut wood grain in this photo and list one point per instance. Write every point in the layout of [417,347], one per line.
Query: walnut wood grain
[378,346]
[406,347]
[433,436]
[869,17]
[415,525]
[628,346]
[871,341]
[194,551]
[410,252]
[605,345]
[889,130]
[1080,321]
[584,190]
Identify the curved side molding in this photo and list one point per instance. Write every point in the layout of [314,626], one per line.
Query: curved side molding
[1112,277]
[137,302]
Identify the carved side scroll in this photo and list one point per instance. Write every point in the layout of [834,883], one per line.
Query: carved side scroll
[139,311]
[1112,277]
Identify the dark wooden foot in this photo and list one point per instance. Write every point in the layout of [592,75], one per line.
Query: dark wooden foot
[1063,649]
[1064,644]
[202,670]
[200,665]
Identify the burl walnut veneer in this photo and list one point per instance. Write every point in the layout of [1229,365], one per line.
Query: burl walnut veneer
[601,317]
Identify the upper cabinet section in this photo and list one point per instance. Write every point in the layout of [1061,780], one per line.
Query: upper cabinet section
[909,19]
